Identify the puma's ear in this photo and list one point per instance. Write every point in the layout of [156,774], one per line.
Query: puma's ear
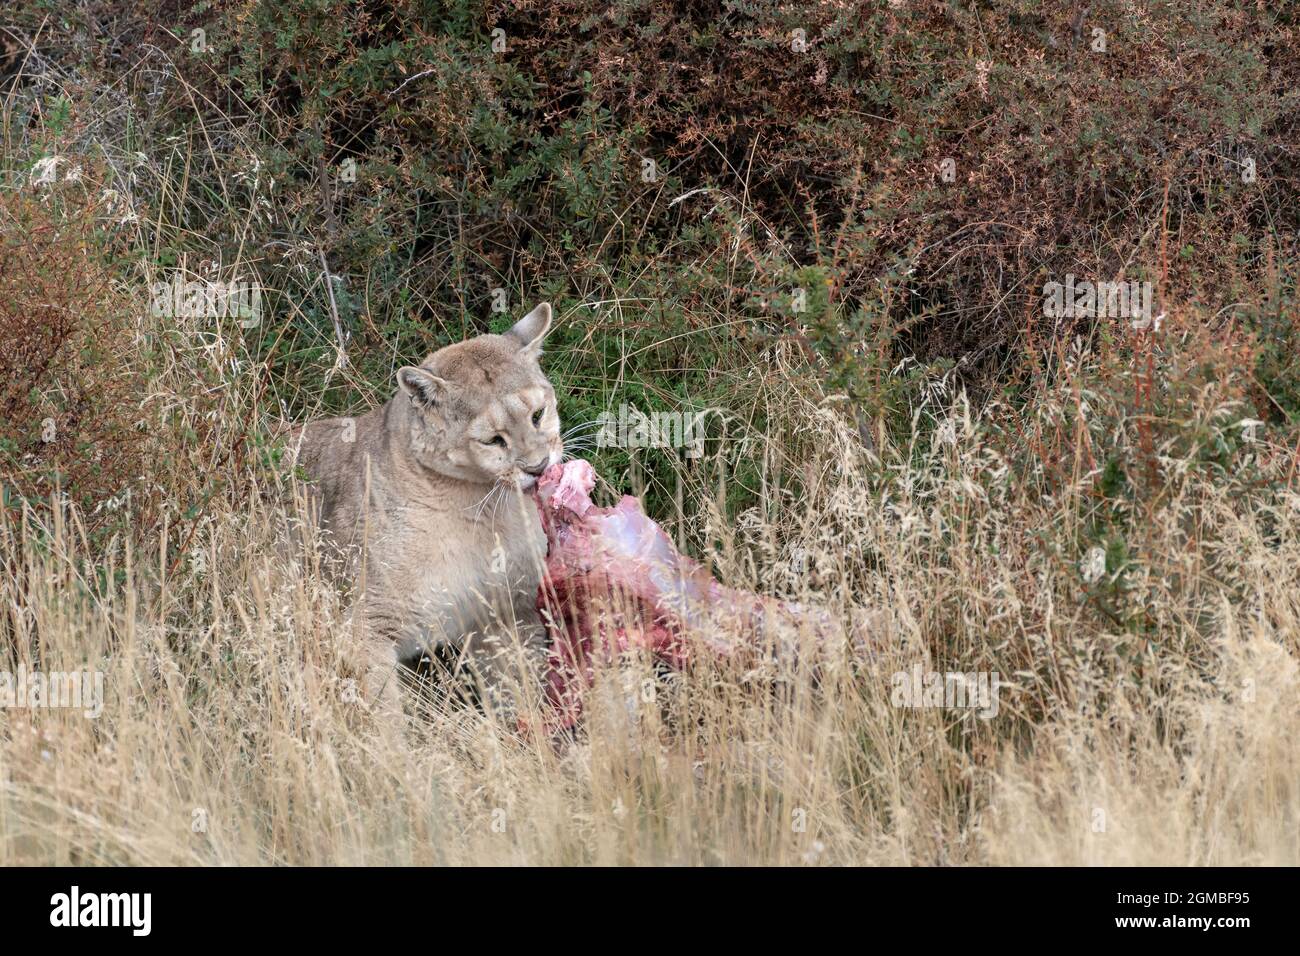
[531,329]
[420,385]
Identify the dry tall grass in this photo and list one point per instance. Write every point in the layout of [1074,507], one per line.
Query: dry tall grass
[229,734]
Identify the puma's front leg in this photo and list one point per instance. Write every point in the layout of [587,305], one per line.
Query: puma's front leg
[507,661]
[375,655]
[381,683]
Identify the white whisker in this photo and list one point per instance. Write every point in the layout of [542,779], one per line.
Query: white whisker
[583,427]
[493,496]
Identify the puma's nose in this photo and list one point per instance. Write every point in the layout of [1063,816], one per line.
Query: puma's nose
[537,469]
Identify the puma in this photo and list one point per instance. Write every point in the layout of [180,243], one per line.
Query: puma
[423,500]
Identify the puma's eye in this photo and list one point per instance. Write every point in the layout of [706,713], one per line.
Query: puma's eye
[537,417]
[498,440]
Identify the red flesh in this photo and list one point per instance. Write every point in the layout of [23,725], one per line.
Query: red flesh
[615,581]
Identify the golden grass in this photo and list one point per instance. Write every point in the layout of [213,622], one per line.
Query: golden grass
[229,735]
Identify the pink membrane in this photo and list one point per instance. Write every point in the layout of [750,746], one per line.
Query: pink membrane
[614,581]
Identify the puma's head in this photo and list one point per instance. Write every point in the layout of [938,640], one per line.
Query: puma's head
[481,410]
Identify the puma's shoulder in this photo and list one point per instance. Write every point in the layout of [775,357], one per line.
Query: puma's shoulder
[335,455]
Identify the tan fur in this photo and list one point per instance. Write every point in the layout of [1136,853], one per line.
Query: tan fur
[428,515]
